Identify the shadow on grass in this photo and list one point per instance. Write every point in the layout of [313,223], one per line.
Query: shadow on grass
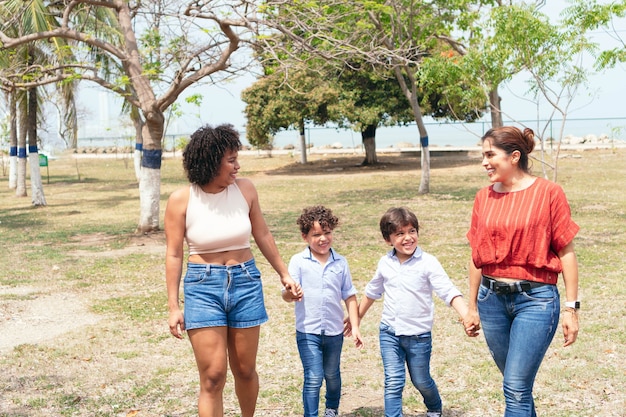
[354,164]
[380,411]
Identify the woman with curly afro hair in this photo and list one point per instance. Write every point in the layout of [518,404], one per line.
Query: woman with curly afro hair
[224,307]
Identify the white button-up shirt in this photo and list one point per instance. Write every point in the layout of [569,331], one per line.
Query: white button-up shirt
[324,287]
[408,305]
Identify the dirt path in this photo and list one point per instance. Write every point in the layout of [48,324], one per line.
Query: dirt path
[32,315]
[32,318]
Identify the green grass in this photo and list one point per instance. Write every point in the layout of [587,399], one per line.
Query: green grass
[82,244]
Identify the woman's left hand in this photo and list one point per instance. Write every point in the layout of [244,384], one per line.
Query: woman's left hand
[570,327]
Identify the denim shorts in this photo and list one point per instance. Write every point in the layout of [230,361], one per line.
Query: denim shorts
[219,295]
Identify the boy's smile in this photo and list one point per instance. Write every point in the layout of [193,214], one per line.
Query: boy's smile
[320,241]
[404,241]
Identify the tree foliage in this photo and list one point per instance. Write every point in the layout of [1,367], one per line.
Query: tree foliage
[149,54]
[591,15]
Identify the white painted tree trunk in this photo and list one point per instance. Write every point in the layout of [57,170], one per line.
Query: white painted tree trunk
[149,199]
[20,189]
[12,172]
[425,180]
[36,186]
[137,164]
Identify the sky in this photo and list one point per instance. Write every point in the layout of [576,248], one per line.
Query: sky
[604,98]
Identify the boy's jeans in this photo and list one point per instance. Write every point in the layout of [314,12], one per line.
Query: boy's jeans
[415,352]
[518,329]
[321,359]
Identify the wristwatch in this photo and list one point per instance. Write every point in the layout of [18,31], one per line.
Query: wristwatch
[572,304]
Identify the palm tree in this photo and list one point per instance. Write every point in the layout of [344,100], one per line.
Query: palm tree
[193,51]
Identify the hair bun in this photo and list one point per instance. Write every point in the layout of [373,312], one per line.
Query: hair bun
[529,140]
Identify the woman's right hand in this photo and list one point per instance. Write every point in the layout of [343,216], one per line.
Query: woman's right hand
[471,323]
[176,323]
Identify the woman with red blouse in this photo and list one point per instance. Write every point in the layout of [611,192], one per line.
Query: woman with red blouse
[521,237]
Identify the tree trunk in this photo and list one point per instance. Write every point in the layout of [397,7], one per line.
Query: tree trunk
[36,186]
[411,95]
[368,136]
[138,123]
[302,143]
[20,188]
[12,141]
[150,182]
[496,108]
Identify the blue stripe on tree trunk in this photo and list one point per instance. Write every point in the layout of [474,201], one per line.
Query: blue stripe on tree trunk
[21,152]
[424,142]
[151,158]
[32,149]
[138,146]
[13,151]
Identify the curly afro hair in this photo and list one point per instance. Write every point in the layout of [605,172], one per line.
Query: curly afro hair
[203,154]
[324,216]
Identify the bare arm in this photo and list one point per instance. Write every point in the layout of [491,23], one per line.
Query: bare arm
[570,279]
[471,321]
[458,303]
[363,306]
[175,213]
[353,315]
[264,239]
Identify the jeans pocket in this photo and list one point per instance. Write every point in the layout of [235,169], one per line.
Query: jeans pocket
[484,294]
[544,294]
[385,328]
[253,273]
[195,276]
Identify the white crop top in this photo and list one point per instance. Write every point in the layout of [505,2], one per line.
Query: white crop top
[217,222]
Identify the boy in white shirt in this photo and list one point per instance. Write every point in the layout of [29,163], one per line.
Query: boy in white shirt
[408,276]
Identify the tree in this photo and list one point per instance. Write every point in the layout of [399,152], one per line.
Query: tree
[18,65]
[183,45]
[371,99]
[393,35]
[280,100]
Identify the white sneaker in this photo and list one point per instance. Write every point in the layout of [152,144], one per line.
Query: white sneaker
[331,412]
[433,414]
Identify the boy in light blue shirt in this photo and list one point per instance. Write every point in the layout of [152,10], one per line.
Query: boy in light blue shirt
[325,279]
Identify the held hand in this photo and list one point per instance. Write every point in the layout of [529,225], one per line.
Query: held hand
[471,323]
[570,327]
[294,288]
[176,323]
[288,296]
[358,340]
[347,327]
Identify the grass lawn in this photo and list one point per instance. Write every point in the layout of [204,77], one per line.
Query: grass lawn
[84,298]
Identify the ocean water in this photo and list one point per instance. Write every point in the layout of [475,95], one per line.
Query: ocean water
[451,134]
[439,134]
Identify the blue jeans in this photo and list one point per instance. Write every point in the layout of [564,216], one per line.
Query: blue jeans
[321,360]
[415,352]
[519,328]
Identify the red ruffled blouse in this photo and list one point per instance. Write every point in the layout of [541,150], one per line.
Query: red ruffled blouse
[519,234]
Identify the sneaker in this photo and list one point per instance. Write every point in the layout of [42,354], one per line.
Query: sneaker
[331,412]
[433,414]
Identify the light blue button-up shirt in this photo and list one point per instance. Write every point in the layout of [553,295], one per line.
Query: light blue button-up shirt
[324,287]
[408,305]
